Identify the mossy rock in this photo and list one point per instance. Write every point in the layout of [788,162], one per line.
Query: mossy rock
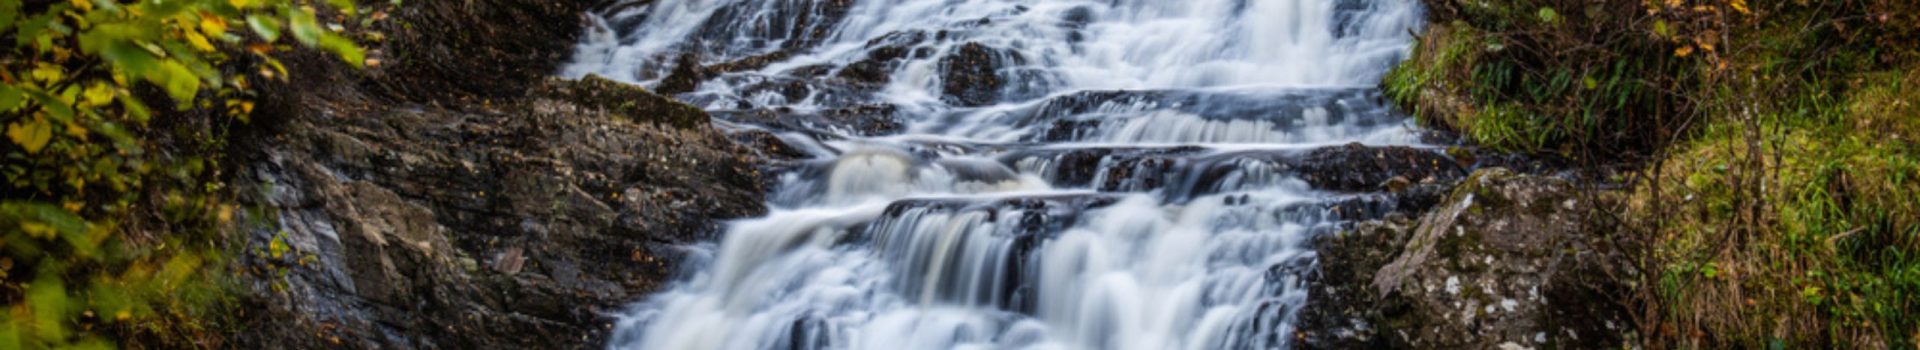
[1505,260]
[630,101]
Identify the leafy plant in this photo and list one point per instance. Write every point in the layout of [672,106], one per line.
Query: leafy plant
[114,112]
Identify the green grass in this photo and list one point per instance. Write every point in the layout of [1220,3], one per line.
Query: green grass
[1782,202]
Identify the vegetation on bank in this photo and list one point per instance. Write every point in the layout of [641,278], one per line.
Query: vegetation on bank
[1778,203]
[116,115]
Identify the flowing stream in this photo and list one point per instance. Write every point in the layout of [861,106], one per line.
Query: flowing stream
[1014,174]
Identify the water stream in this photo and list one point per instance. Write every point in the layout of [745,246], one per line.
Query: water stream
[1013,174]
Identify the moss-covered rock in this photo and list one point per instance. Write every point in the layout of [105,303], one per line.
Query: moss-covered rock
[1505,260]
[624,100]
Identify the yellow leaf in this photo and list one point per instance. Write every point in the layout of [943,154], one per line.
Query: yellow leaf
[37,230]
[77,131]
[243,4]
[99,94]
[199,41]
[1740,5]
[31,135]
[83,5]
[212,25]
[46,72]
[1683,51]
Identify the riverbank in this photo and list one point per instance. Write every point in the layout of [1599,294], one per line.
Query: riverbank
[458,197]
[1770,151]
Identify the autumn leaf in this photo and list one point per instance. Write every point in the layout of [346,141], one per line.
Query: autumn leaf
[31,135]
[212,25]
[199,42]
[1740,5]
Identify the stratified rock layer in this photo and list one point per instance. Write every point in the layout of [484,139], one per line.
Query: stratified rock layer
[458,198]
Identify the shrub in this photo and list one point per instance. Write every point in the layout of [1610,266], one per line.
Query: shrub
[114,113]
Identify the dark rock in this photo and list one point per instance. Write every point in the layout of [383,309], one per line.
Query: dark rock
[883,55]
[688,72]
[686,75]
[1189,171]
[749,27]
[1357,167]
[970,76]
[444,51]
[863,120]
[629,101]
[573,205]
[770,146]
[458,201]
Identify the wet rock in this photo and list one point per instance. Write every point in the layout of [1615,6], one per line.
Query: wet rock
[748,27]
[1342,310]
[863,120]
[884,54]
[1357,167]
[1504,260]
[769,146]
[688,71]
[1193,171]
[970,76]
[685,75]
[1082,115]
[514,221]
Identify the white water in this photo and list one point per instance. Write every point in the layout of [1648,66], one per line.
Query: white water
[1074,213]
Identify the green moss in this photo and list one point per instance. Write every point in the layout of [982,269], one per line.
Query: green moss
[1836,248]
[1788,211]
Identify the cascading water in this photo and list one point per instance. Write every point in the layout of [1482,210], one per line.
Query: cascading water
[1067,174]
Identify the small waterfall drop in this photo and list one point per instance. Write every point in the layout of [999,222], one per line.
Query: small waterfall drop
[1060,174]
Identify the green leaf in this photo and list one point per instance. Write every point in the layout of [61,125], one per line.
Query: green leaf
[1660,28]
[10,98]
[47,299]
[61,110]
[135,109]
[267,27]
[28,30]
[9,11]
[1547,14]
[340,45]
[180,82]
[130,58]
[304,26]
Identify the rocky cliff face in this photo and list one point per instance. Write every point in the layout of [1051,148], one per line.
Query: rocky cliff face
[466,201]
[1506,261]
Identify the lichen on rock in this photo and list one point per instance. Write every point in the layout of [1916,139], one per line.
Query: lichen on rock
[1506,259]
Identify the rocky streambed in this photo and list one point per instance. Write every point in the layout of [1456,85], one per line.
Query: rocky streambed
[460,197]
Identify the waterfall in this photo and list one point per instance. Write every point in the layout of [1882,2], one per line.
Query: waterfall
[1064,174]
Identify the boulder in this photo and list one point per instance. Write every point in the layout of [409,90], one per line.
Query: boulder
[1505,261]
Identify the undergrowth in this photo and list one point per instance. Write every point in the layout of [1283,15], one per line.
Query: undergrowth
[1780,202]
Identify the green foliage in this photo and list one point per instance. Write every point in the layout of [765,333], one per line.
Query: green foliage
[1780,209]
[1802,181]
[1543,75]
[114,114]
